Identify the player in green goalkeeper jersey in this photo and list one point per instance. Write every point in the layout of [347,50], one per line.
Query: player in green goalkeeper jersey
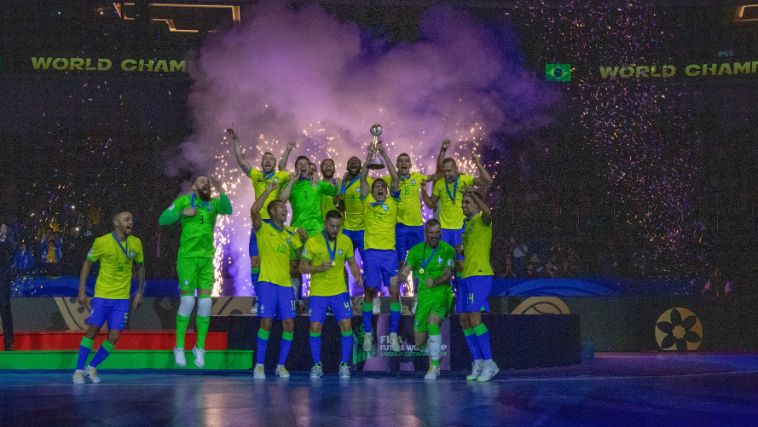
[197,212]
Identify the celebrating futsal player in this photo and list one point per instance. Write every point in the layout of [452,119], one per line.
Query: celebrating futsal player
[324,258]
[447,195]
[409,229]
[432,262]
[380,265]
[197,212]
[476,284]
[259,178]
[117,252]
[277,299]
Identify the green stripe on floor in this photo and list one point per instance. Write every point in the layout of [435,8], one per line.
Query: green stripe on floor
[127,359]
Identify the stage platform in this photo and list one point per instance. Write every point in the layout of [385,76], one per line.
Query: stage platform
[128,340]
[611,389]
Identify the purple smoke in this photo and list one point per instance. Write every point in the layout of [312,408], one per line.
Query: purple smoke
[303,75]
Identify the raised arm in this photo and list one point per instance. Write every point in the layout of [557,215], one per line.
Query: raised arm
[364,174]
[284,195]
[238,154]
[395,183]
[484,179]
[286,155]
[486,211]
[429,200]
[255,210]
[441,156]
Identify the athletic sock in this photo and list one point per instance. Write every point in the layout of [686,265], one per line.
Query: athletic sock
[483,339]
[203,319]
[473,345]
[315,339]
[368,314]
[181,329]
[284,346]
[105,349]
[85,347]
[435,344]
[347,346]
[394,316]
[263,335]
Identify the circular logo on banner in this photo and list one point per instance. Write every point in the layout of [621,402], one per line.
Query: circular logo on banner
[542,305]
[678,329]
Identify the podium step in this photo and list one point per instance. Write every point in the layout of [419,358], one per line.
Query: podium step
[126,359]
[129,340]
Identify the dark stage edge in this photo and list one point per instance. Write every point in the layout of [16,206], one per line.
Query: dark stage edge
[612,389]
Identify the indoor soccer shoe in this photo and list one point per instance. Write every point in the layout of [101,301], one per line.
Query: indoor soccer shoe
[199,354]
[432,373]
[476,370]
[78,376]
[316,371]
[282,372]
[394,342]
[91,373]
[344,370]
[489,371]
[367,344]
[179,357]
[259,373]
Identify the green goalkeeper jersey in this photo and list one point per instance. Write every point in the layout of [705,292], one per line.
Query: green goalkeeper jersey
[197,230]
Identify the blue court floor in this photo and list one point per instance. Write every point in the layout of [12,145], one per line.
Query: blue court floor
[612,389]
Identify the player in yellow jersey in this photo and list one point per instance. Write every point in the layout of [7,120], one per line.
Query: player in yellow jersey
[324,257]
[118,253]
[476,284]
[447,195]
[276,298]
[410,229]
[380,266]
[260,178]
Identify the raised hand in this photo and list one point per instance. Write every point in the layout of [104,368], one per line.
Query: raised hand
[232,133]
[445,144]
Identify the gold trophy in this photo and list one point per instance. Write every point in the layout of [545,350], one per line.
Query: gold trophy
[375,162]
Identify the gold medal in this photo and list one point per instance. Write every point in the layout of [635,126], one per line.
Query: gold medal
[421,270]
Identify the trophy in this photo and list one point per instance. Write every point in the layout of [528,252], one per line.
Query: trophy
[375,161]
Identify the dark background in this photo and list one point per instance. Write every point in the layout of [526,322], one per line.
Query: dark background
[76,146]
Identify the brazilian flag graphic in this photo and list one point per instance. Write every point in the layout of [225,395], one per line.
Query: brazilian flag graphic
[558,72]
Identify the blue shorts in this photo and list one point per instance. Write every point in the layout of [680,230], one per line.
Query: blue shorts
[454,237]
[275,301]
[252,247]
[379,266]
[356,236]
[114,311]
[340,305]
[406,237]
[472,294]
